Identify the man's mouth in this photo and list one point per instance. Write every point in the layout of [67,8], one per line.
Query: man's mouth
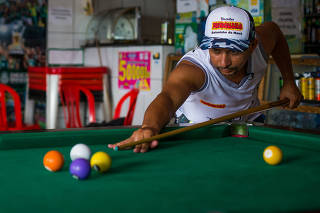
[226,70]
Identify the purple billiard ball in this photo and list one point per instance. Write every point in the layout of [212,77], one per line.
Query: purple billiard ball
[80,168]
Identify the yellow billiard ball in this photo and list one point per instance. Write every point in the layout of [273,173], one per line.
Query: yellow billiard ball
[100,161]
[272,155]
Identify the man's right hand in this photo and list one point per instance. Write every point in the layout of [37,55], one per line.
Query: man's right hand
[139,134]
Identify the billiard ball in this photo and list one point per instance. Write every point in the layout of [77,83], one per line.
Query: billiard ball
[53,160]
[272,155]
[239,129]
[101,161]
[80,151]
[80,168]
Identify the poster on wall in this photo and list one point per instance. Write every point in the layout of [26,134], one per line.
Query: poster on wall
[60,16]
[186,37]
[22,42]
[287,14]
[184,6]
[255,8]
[22,33]
[134,70]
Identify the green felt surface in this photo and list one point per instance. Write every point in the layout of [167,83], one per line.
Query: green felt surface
[200,171]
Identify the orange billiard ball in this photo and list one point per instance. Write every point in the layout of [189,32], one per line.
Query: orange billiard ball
[53,161]
[272,155]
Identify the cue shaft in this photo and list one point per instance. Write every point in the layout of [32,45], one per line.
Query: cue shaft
[207,123]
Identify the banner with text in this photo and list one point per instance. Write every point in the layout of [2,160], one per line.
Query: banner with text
[134,70]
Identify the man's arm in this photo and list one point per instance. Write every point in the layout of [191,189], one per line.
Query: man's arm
[275,44]
[184,79]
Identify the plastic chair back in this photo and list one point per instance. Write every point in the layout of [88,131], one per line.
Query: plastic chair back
[70,99]
[133,95]
[3,110]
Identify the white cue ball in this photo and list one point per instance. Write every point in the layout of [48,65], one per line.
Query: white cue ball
[80,151]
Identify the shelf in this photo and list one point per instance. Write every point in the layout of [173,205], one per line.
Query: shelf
[302,108]
[306,106]
[312,44]
[304,59]
[309,106]
[315,15]
[308,109]
[311,103]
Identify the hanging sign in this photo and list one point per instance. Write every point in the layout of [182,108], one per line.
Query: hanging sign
[134,70]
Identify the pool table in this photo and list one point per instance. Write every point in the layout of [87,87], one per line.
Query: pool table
[204,170]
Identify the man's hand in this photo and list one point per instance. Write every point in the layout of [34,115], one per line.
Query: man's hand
[292,92]
[140,134]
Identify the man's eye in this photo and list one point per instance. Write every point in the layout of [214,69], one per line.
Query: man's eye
[216,51]
[233,52]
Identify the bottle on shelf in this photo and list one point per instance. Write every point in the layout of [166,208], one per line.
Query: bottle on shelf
[308,30]
[311,87]
[280,83]
[307,7]
[317,86]
[314,30]
[164,32]
[318,7]
[304,87]
[317,30]
[311,26]
[297,80]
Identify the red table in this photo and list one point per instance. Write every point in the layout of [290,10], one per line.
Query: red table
[48,80]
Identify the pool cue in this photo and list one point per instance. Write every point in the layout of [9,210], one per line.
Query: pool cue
[206,123]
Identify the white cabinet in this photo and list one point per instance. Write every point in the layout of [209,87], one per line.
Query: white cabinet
[110,59]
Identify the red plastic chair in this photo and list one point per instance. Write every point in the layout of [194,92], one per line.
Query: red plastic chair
[4,125]
[70,99]
[133,95]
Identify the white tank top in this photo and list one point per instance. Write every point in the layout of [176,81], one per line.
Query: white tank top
[220,96]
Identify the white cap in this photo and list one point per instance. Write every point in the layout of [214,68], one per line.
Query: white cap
[228,27]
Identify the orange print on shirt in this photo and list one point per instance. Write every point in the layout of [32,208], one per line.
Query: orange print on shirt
[219,106]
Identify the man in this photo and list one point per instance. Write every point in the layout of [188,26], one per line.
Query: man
[222,75]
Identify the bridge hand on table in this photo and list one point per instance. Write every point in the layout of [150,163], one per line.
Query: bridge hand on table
[139,135]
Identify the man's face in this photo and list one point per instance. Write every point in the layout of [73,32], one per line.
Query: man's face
[230,63]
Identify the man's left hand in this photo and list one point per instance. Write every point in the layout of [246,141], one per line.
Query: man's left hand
[292,92]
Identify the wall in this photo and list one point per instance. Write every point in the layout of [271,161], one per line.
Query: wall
[156,8]
[67,35]
[110,58]
[153,12]
[72,35]
[64,35]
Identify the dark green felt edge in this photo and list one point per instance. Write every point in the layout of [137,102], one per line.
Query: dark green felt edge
[285,137]
[107,136]
[91,137]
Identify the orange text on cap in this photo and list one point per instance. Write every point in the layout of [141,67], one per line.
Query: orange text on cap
[226,25]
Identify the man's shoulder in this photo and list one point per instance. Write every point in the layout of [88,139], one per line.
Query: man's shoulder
[196,50]
[196,54]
